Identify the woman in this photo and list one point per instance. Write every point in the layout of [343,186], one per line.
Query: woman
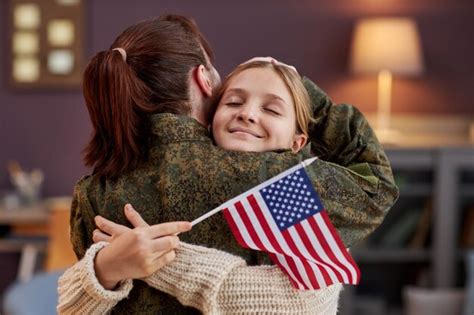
[172,171]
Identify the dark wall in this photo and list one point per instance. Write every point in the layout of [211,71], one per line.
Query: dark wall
[48,128]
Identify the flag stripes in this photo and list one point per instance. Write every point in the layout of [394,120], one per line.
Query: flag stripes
[307,251]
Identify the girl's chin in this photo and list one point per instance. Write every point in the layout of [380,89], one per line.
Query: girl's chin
[240,145]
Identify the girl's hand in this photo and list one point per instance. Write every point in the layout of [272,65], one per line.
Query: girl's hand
[108,231]
[136,253]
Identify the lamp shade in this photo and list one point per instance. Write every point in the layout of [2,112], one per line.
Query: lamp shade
[391,44]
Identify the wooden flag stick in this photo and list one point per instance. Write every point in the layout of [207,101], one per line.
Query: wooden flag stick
[258,187]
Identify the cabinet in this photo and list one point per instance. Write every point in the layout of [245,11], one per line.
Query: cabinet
[419,241]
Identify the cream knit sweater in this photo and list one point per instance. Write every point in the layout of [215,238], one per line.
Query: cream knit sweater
[212,281]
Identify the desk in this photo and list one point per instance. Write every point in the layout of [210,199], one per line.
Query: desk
[35,214]
[28,236]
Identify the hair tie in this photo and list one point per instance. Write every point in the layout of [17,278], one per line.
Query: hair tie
[122,52]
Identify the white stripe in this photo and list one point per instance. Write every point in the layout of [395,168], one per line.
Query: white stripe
[315,268]
[258,227]
[241,227]
[319,263]
[282,260]
[273,227]
[332,243]
[321,252]
[304,275]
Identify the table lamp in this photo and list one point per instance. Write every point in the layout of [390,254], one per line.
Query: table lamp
[386,46]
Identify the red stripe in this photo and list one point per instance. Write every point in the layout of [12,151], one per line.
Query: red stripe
[341,245]
[271,237]
[233,227]
[310,248]
[249,225]
[264,224]
[293,281]
[295,270]
[310,273]
[326,247]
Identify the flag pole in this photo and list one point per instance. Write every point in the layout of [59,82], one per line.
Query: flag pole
[275,178]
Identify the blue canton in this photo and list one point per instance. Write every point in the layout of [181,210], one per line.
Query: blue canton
[291,199]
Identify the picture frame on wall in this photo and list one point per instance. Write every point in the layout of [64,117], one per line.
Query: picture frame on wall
[46,43]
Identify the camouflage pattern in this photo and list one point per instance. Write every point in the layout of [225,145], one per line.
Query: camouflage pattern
[186,175]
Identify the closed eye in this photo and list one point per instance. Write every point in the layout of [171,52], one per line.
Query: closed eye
[272,111]
[233,104]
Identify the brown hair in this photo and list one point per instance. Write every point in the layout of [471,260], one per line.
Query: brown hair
[120,94]
[291,79]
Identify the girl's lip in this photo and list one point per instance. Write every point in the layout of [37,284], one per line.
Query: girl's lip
[238,129]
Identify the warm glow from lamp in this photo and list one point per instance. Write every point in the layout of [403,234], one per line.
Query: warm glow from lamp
[385,46]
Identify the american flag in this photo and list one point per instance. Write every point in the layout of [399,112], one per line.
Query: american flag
[284,216]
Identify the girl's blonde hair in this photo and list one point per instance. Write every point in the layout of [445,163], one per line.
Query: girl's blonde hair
[291,79]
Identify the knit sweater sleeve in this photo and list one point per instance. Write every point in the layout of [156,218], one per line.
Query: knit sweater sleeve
[81,293]
[219,283]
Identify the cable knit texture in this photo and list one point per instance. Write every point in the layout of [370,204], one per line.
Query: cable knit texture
[213,281]
[218,283]
[81,293]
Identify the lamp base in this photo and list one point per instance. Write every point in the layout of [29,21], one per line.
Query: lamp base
[388,136]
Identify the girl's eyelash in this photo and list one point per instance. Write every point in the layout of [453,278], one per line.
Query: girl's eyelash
[273,111]
[233,103]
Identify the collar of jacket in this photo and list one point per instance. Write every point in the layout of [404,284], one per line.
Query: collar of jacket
[168,128]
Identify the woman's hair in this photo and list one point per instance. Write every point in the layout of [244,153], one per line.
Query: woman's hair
[152,76]
[291,79]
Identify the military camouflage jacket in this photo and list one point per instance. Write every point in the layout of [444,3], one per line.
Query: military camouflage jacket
[186,175]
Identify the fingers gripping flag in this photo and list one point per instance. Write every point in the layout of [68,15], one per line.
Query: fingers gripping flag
[284,216]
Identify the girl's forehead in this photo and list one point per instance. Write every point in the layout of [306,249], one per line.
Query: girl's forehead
[259,81]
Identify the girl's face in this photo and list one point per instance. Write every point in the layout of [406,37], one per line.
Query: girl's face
[256,113]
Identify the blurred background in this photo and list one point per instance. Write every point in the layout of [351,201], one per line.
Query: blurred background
[407,65]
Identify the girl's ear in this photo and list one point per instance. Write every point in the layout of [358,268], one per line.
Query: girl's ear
[203,80]
[299,141]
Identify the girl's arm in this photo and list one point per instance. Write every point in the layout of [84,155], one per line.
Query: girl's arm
[81,293]
[216,282]
[212,281]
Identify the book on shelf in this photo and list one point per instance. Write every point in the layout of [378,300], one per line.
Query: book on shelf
[467,231]
[423,228]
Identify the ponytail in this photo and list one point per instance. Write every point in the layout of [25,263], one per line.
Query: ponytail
[118,104]
[145,71]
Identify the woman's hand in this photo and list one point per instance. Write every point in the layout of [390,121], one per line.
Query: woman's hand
[135,253]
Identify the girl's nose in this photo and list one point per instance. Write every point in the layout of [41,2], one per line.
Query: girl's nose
[247,113]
